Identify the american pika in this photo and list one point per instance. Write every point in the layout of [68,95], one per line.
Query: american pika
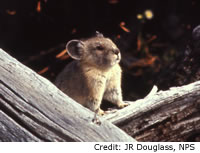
[94,75]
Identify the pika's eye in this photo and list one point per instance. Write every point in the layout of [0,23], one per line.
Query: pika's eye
[99,47]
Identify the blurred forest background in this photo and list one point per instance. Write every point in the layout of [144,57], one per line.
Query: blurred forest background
[154,36]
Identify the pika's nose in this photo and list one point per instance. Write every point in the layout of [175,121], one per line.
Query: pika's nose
[116,51]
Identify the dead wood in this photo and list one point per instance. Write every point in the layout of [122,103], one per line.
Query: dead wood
[172,115]
[33,109]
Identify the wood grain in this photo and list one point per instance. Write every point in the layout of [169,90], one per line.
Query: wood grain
[33,109]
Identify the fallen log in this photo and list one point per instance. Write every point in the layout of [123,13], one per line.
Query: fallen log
[33,109]
[172,115]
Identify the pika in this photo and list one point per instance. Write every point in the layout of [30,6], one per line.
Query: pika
[94,75]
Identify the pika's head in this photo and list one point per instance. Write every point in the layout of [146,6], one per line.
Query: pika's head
[97,51]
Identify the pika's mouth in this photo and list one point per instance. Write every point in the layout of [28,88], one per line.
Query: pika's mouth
[118,58]
[112,61]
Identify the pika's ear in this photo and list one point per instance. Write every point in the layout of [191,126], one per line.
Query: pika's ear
[75,49]
[98,34]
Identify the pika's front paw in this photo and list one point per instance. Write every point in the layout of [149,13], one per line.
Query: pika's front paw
[100,112]
[122,104]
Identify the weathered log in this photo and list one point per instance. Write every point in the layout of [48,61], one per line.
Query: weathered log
[33,109]
[172,115]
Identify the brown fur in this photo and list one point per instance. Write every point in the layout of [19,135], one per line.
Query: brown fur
[94,75]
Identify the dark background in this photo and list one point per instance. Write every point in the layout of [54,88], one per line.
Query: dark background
[154,51]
